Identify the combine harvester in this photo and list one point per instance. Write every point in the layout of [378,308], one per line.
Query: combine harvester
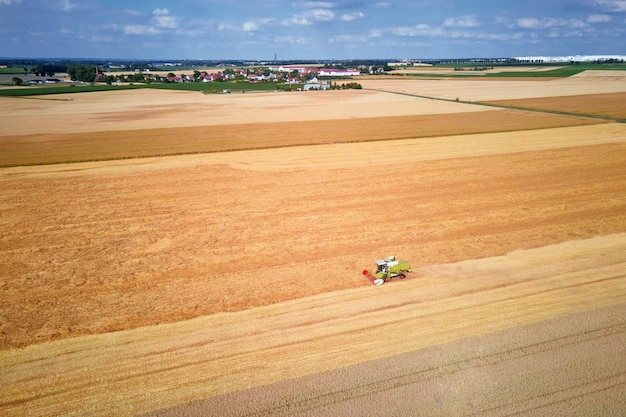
[386,269]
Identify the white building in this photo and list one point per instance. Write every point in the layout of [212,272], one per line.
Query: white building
[333,72]
[568,58]
[316,86]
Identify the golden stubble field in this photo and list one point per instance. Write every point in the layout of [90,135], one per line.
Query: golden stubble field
[228,281]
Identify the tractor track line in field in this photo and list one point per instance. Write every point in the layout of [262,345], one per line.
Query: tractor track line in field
[434,372]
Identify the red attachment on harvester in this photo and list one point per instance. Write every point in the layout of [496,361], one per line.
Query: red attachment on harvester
[369,276]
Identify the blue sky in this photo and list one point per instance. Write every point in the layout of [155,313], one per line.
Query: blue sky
[292,30]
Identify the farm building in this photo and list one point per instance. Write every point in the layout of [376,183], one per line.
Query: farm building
[316,86]
[334,72]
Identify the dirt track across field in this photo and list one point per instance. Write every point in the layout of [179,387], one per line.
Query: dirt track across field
[138,285]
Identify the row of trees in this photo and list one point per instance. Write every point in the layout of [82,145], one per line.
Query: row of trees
[345,86]
[42,70]
[83,73]
[472,69]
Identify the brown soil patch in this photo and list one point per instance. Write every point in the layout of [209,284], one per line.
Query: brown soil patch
[76,147]
[603,105]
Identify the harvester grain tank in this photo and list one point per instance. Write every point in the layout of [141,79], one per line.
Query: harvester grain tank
[386,269]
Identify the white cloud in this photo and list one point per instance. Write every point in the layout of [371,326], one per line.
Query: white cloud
[469,21]
[502,20]
[417,30]
[348,39]
[458,34]
[291,40]
[599,18]
[348,17]
[529,23]
[166,22]
[442,32]
[131,12]
[612,5]
[162,19]
[250,26]
[309,17]
[322,15]
[254,25]
[66,5]
[382,4]
[297,20]
[404,31]
[140,30]
[548,23]
[317,4]
[499,36]
[574,34]
[7,2]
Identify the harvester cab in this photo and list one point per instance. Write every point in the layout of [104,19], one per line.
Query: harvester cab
[386,269]
[381,267]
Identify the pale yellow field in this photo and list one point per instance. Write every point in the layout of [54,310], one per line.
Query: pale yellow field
[588,82]
[143,109]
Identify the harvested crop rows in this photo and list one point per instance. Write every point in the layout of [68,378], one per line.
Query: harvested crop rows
[203,284]
[601,105]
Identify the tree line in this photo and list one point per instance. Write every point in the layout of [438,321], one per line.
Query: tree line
[81,72]
[42,70]
[77,72]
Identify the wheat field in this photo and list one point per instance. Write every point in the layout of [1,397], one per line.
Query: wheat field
[168,253]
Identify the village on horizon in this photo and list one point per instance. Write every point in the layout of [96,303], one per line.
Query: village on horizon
[535,59]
